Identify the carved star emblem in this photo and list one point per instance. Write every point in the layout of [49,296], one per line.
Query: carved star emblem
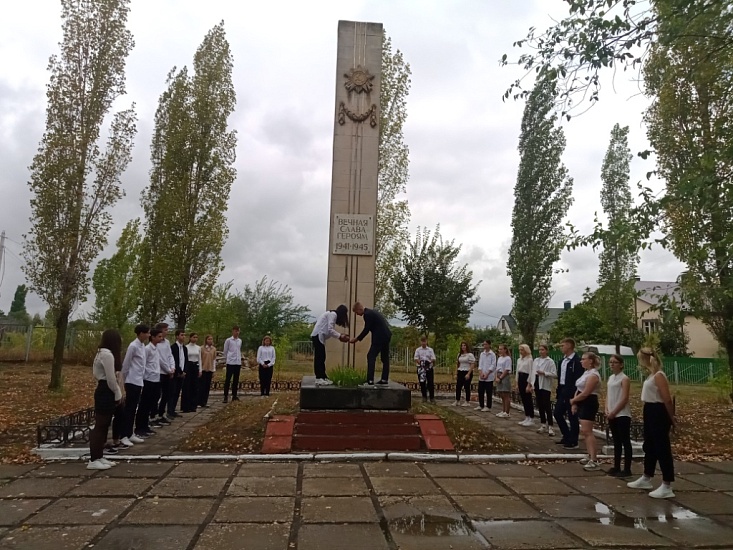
[359,80]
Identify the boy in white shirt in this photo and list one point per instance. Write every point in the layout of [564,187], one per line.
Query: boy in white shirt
[486,376]
[425,361]
[233,356]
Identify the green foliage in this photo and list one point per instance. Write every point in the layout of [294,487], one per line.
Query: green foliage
[582,322]
[542,196]
[615,295]
[431,292]
[74,182]
[18,312]
[671,334]
[185,205]
[393,212]
[217,315]
[477,335]
[346,377]
[116,281]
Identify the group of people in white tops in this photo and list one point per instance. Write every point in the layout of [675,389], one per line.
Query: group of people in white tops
[577,401]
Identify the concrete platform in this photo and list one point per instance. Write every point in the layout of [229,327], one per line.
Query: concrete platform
[390,397]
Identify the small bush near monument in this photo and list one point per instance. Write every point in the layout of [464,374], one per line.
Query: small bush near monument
[346,377]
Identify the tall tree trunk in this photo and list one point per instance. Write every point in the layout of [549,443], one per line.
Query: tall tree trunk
[62,324]
[729,351]
[182,316]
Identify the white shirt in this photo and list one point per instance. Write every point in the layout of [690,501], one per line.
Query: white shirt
[585,377]
[504,364]
[614,393]
[152,364]
[233,351]
[194,354]
[487,366]
[103,368]
[266,353]
[466,361]
[564,367]
[324,327]
[133,366]
[524,366]
[165,355]
[650,391]
[546,365]
[425,354]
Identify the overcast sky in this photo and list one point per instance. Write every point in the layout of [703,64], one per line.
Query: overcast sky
[462,136]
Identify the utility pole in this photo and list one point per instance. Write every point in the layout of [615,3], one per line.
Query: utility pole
[2,259]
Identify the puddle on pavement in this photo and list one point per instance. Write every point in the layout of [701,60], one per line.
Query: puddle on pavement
[612,517]
[430,525]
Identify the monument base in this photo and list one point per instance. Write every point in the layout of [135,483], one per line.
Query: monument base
[389,397]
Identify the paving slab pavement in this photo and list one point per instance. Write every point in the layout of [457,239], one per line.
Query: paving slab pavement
[371,505]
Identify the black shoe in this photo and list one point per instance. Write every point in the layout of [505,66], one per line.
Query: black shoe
[235,398]
[156,425]
[382,382]
[561,442]
[570,446]
[142,435]
[613,471]
[149,433]
[110,450]
[624,473]
[163,420]
[173,414]
[226,400]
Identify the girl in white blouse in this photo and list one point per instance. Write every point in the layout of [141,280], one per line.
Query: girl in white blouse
[585,404]
[266,362]
[504,380]
[545,370]
[106,397]
[464,373]
[525,383]
[618,414]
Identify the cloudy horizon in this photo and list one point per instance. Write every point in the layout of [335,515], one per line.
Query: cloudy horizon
[462,136]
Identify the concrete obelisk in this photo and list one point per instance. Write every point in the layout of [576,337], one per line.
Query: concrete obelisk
[351,258]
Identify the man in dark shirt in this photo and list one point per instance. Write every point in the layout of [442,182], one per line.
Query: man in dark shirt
[568,373]
[375,323]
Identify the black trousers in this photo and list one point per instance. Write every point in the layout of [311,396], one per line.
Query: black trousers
[265,380]
[522,379]
[118,422]
[427,386]
[562,408]
[544,406]
[165,393]
[174,392]
[621,434]
[463,382]
[381,348]
[657,447]
[132,399]
[148,400]
[485,388]
[232,379]
[204,388]
[98,435]
[319,358]
[189,389]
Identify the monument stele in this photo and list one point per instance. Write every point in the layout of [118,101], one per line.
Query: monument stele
[351,254]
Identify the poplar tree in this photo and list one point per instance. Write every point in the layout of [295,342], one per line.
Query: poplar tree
[542,196]
[116,281]
[192,153]
[74,179]
[393,212]
[618,259]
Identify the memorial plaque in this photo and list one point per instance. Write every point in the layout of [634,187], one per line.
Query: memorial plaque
[353,234]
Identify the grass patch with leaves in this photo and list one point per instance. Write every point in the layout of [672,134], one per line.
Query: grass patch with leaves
[346,377]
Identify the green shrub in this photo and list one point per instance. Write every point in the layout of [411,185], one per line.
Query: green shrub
[346,377]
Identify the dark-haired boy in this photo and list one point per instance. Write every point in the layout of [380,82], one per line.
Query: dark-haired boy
[151,386]
[180,358]
[233,357]
[133,370]
[167,371]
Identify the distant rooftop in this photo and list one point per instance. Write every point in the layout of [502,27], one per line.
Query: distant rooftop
[652,291]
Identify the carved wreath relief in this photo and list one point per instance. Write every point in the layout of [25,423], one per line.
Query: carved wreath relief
[358,80]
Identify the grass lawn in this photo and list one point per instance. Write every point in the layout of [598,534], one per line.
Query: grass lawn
[704,432]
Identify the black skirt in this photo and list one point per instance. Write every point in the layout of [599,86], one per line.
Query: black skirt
[104,399]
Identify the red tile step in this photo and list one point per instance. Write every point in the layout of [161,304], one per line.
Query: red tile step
[279,435]
[357,429]
[433,433]
[357,417]
[357,443]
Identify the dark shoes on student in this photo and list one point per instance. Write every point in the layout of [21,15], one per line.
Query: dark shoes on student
[615,472]
[382,382]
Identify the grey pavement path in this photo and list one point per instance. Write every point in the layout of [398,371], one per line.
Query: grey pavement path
[359,505]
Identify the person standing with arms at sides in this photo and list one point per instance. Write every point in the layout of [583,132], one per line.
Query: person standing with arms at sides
[570,371]
[167,371]
[464,373]
[266,364]
[322,331]
[151,386]
[486,376]
[658,420]
[233,357]
[375,323]
[618,414]
[425,361]
[189,391]
[525,383]
[504,380]
[118,418]
[208,368]
[180,358]
[585,404]
[133,370]
[545,371]
[107,396]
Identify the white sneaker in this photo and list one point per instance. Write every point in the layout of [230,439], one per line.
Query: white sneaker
[530,422]
[454,404]
[663,491]
[126,441]
[500,414]
[486,409]
[320,381]
[479,408]
[641,483]
[542,429]
[107,462]
[591,465]
[97,465]
[584,460]
[523,422]
[465,404]
[136,439]
[328,382]
[550,431]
